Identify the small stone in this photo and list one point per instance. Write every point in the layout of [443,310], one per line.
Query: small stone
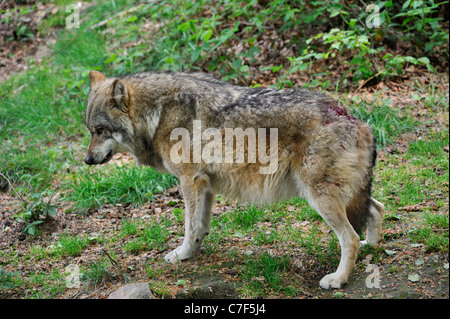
[133,291]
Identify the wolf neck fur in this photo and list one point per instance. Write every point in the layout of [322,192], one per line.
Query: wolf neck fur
[154,97]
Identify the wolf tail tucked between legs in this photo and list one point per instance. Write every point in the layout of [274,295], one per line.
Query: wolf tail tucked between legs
[363,210]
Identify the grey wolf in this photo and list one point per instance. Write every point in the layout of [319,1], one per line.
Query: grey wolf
[324,154]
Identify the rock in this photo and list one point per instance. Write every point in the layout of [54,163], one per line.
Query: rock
[133,291]
[209,288]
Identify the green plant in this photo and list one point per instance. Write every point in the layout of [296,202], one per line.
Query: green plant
[418,25]
[37,209]
[23,32]
[6,278]
[361,64]
[130,227]
[96,273]
[395,64]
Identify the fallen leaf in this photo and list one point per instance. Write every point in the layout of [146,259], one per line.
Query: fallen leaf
[181,282]
[390,252]
[338,295]
[414,278]
[419,262]
[413,208]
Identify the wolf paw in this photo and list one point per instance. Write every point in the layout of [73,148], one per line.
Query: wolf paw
[332,281]
[369,243]
[176,255]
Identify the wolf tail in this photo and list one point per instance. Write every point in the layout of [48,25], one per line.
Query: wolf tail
[358,209]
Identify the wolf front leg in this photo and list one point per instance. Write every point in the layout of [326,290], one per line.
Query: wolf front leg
[199,201]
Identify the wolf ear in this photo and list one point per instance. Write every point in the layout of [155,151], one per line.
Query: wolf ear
[96,77]
[121,95]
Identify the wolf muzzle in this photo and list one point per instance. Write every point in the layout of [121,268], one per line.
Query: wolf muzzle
[89,160]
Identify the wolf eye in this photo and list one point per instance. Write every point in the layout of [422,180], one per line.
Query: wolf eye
[99,130]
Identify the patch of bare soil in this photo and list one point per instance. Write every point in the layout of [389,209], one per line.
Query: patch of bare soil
[20,39]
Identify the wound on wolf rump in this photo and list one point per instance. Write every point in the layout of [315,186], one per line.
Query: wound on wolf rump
[336,110]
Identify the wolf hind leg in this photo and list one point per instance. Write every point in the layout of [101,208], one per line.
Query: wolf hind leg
[199,204]
[375,220]
[333,212]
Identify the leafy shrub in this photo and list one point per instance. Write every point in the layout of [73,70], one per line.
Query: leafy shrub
[228,37]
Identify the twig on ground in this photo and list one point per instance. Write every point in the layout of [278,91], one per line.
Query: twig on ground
[125,277]
[12,187]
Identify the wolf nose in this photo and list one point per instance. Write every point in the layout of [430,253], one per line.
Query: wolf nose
[89,160]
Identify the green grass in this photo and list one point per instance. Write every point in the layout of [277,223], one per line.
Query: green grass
[242,219]
[52,96]
[266,273]
[277,225]
[97,272]
[113,184]
[388,123]
[39,122]
[431,184]
[130,227]
[420,177]
[144,236]
[433,233]
[39,252]
[51,284]
[42,131]
[267,236]
[70,245]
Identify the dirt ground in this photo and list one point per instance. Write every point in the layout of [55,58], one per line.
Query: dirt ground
[20,39]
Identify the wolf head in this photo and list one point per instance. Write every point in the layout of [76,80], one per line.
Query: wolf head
[107,118]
